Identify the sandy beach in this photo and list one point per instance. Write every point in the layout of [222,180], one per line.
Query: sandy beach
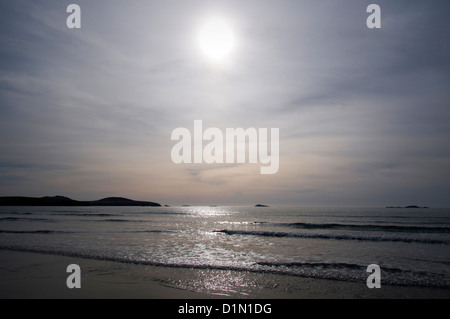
[33,275]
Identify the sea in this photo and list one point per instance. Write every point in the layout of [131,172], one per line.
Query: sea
[411,246]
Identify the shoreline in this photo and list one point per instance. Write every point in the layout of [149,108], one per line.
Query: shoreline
[32,275]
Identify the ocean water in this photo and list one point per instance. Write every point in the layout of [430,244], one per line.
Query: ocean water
[411,246]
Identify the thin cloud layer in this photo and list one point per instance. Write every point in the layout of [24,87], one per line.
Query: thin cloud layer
[363,114]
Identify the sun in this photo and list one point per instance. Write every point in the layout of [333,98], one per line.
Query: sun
[216,40]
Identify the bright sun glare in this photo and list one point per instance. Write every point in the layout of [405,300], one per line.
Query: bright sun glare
[216,40]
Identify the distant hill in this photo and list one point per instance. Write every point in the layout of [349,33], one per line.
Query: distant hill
[120,201]
[65,201]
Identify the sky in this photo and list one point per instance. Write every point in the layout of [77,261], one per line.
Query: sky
[363,114]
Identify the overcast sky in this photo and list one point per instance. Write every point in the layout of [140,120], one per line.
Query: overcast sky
[363,113]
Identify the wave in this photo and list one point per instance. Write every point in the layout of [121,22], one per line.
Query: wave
[332,236]
[86,214]
[335,266]
[34,232]
[389,228]
[84,232]
[383,217]
[164,213]
[154,213]
[25,218]
[123,220]
[330,271]
[149,231]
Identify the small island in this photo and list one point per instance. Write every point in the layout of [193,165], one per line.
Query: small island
[261,205]
[409,206]
[66,201]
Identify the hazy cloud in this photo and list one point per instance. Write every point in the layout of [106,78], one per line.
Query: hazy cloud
[363,114]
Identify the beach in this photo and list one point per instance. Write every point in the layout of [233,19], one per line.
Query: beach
[43,276]
[223,252]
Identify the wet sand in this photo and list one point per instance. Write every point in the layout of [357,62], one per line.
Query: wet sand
[33,275]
